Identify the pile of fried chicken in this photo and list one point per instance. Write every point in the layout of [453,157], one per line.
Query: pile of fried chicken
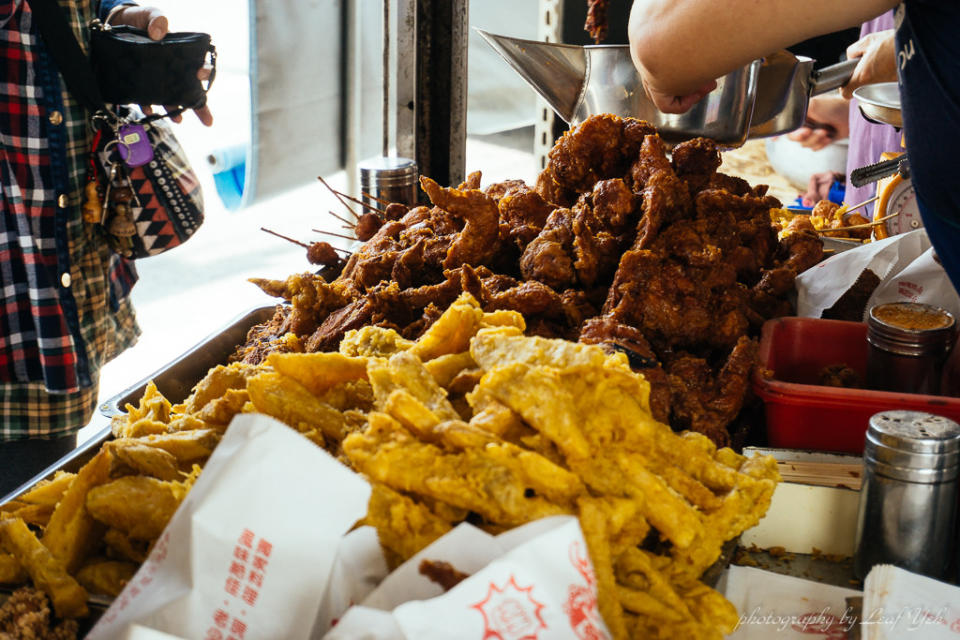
[616,244]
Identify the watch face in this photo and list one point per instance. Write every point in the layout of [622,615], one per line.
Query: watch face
[903,201]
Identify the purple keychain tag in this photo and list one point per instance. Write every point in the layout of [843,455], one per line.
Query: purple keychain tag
[134,145]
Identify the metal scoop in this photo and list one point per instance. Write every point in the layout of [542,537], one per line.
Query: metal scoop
[581,81]
[786,84]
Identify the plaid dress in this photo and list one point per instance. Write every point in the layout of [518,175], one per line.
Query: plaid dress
[65,310]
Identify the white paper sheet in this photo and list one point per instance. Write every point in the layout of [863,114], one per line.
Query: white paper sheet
[543,587]
[249,552]
[899,605]
[783,607]
[819,287]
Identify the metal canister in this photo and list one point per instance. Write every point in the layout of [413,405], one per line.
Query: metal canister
[908,500]
[909,343]
[388,180]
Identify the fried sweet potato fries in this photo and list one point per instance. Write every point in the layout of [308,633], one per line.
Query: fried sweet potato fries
[473,420]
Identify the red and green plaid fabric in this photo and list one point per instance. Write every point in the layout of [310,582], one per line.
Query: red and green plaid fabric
[63,291]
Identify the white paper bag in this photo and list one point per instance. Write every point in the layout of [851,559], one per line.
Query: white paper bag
[782,607]
[898,604]
[820,286]
[249,552]
[543,587]
[923,280]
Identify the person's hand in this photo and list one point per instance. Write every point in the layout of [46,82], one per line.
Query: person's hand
[878,61]
[152,20]
[668,103]
[819,187]
[827,121]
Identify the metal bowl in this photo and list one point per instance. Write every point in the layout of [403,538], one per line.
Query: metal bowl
[880,103]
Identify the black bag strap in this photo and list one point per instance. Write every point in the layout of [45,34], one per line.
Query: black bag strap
[66,52]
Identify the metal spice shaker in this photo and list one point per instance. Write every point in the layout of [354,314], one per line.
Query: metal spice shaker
[909,343]
[390,180]
[908,500]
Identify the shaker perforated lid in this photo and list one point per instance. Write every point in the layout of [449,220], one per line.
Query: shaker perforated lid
[913,446]
[387,172]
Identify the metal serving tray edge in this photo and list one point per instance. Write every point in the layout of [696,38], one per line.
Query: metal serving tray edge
[174,380]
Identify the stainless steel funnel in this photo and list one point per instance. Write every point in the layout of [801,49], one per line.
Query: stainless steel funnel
[582,81]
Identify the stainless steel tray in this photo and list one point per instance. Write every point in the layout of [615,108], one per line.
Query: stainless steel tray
[174,380]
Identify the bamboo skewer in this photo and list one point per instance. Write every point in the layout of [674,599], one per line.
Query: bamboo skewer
[331,233]
[336,194]
[349,224]
[362,203]
[302,244]
[287,238]
[861,226]
[862,204]
[379,200]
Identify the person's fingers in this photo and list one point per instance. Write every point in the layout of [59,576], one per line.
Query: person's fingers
[147,109]
[150,19]
[819,138]
[801,134]
[169,108]
[205,116]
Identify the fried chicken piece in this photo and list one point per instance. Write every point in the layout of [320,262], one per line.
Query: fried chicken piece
[696,161]
[551,191]
[548,257]
[597,21]
[472,181]
[442,573]
[666,197]
[599,148]
[477,241]
[523,214]
[707,403]
[26,615]
[613,204]
[731,184]
[499,189]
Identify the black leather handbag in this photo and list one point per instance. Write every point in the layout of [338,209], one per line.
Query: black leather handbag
[131,68]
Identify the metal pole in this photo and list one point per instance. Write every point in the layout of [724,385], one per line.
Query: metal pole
[387,72]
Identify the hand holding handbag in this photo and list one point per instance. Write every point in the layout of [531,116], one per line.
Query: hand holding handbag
[142,188]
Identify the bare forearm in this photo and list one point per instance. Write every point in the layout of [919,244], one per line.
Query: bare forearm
[678,45]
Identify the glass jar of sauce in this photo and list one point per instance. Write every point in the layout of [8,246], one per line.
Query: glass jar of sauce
[909,343]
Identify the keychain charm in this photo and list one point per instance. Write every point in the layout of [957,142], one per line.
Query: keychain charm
[134,145]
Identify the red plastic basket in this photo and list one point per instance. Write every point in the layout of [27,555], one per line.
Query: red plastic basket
[801,414]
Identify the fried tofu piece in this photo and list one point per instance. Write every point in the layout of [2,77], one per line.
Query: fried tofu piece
[318,372]
[185,446]
[373,342]
[403,525]
[504,345]
[472,479]
[406,372]
[139,506]
[446,367]
[452,331]
[221,411]
[215,384]
[71,531]
[142,458]
[47,572]
[107,577]
[352,395]
[11,572]
[293,404]
[49,492]
[119,545]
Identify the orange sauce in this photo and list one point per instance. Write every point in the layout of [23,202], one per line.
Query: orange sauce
[912,317]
